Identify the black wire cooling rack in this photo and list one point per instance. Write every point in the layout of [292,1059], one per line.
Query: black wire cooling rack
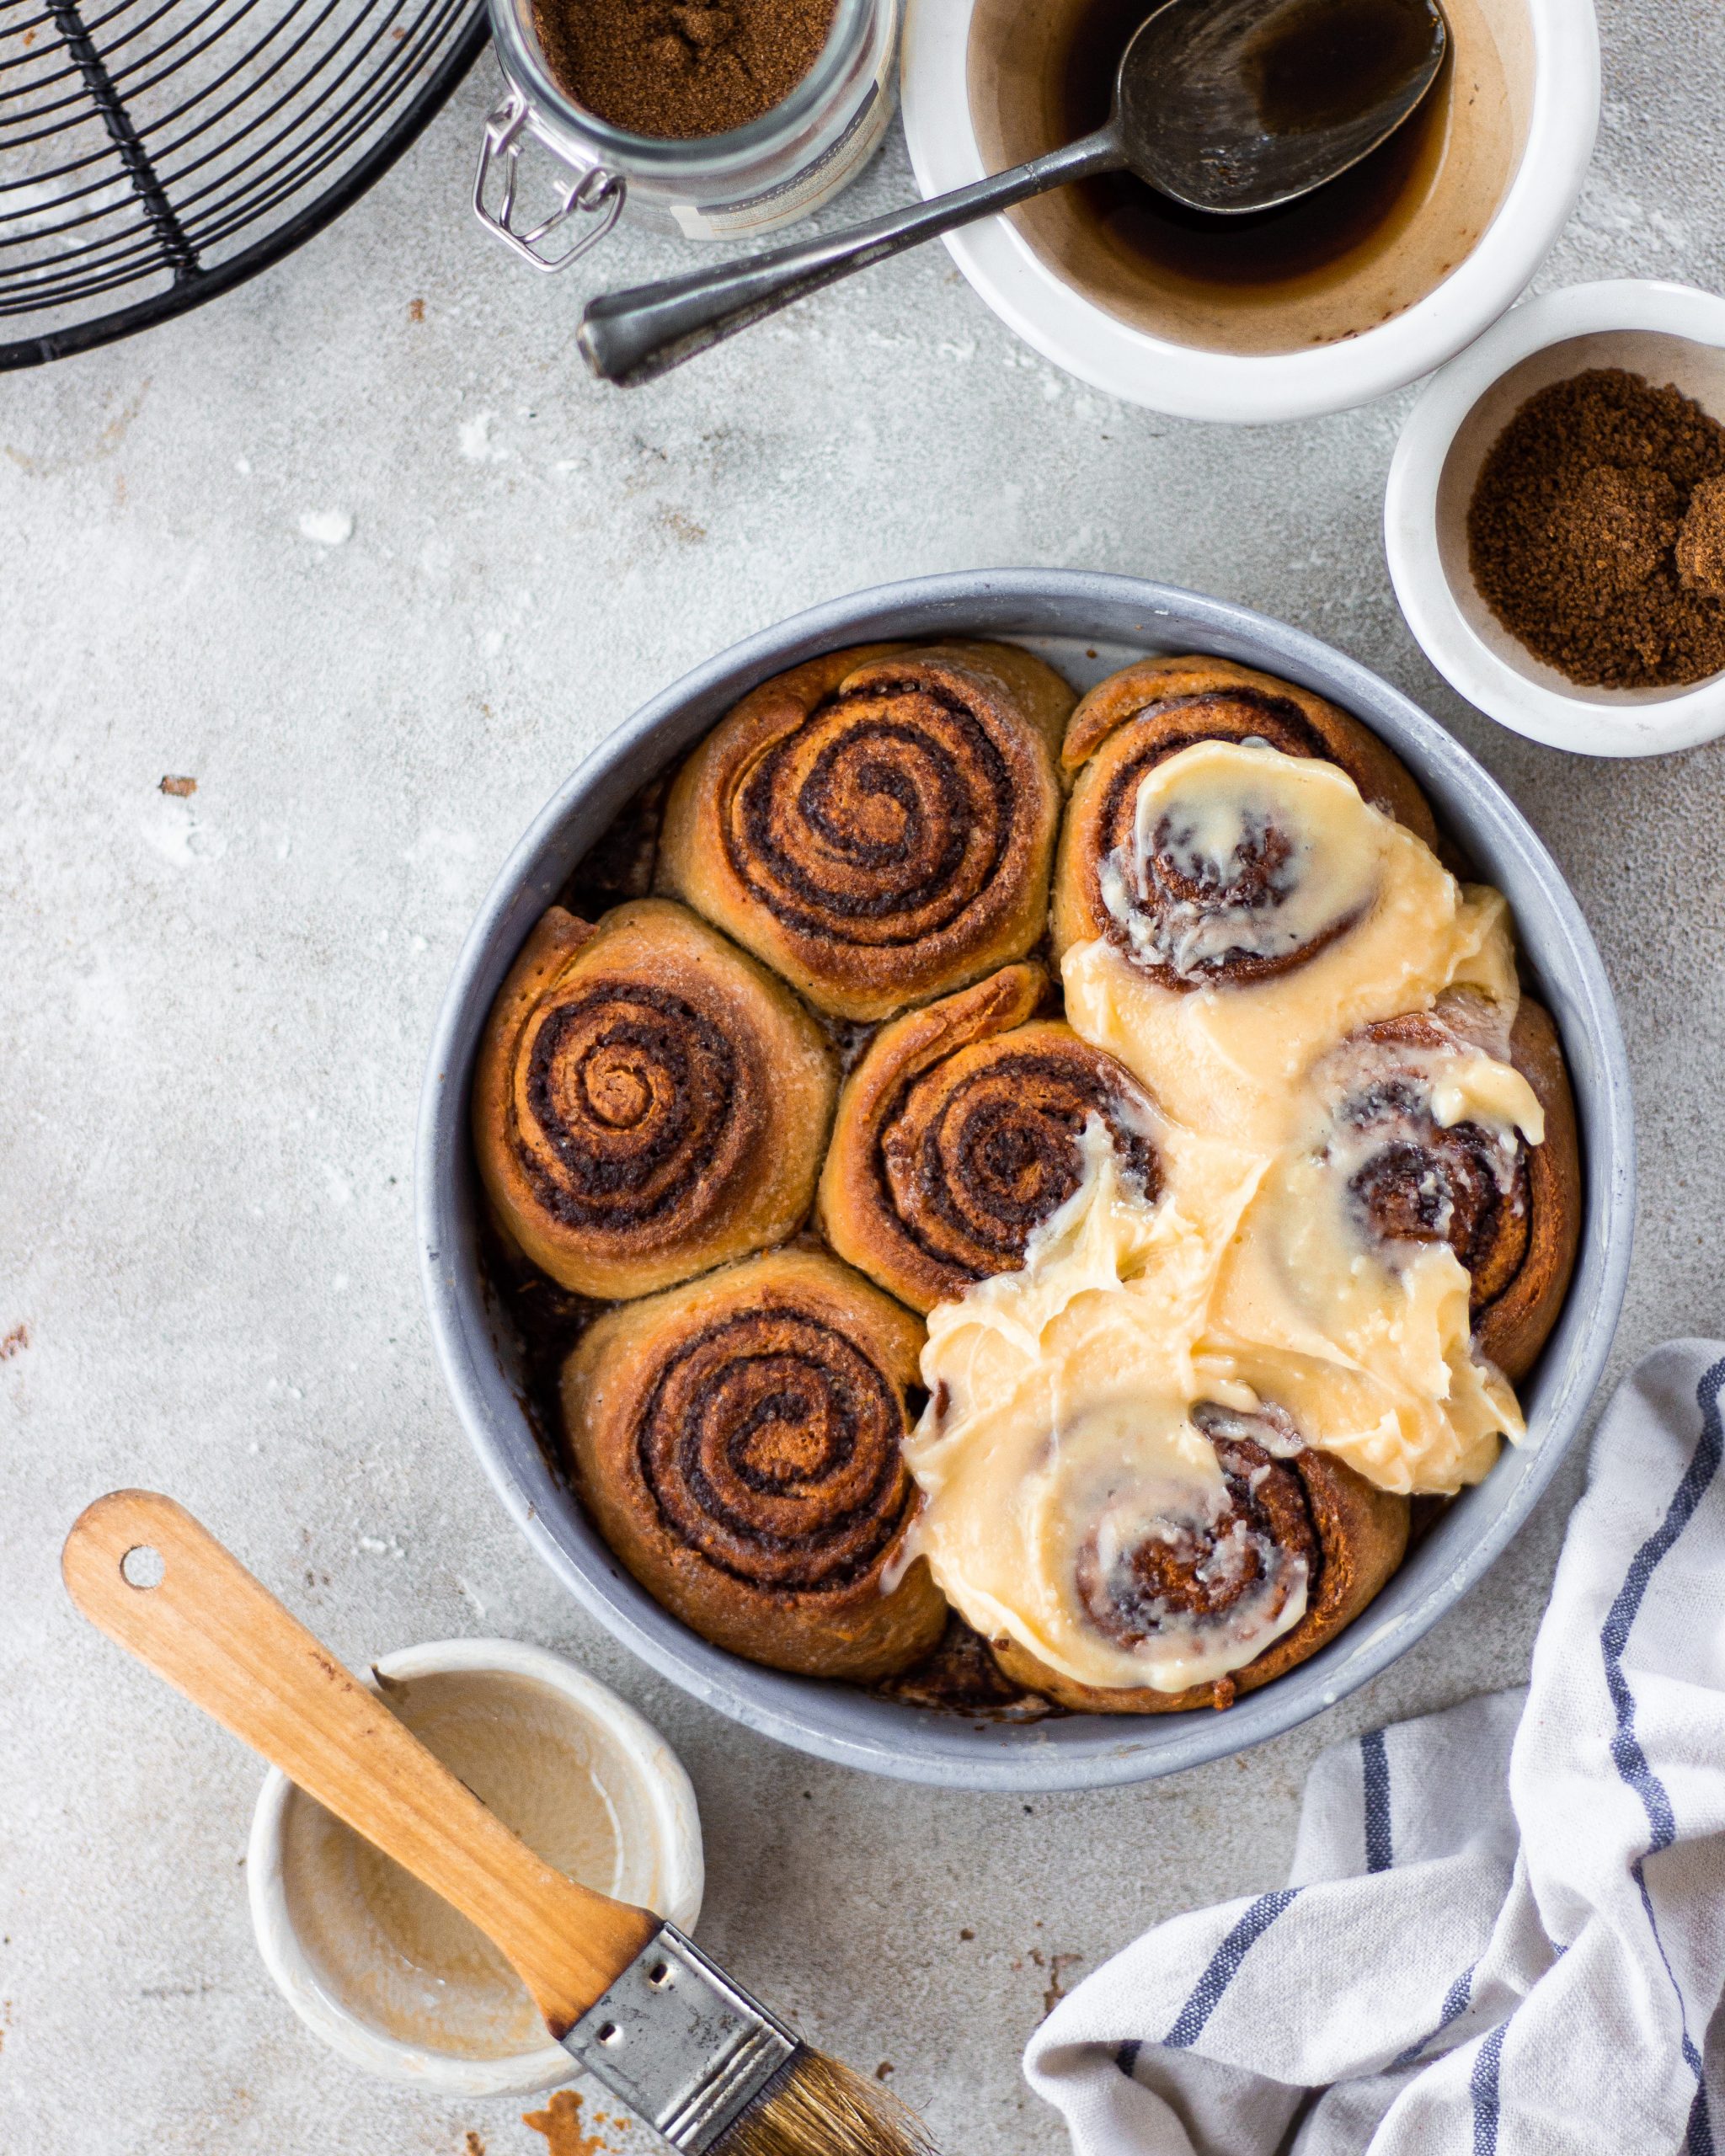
[156,152]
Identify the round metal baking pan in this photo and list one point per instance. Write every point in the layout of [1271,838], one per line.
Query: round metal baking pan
[1087,624]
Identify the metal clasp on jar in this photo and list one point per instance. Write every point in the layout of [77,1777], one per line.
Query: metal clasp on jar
[595,193]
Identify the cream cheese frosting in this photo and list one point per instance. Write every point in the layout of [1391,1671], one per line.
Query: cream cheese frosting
[1059,1435]
[1359,916]
[1073,1404]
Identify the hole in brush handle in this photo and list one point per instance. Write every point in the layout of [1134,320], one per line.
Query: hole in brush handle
[142,1568]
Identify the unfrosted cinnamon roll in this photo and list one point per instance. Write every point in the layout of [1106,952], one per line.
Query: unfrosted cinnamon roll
[877,825]
[647,1102]
[960,1133]
[1509,1208]
[738,1441]
[1297,1546]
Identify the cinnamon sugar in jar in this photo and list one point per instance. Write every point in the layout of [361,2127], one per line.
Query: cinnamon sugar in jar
[660,111]
[681,69]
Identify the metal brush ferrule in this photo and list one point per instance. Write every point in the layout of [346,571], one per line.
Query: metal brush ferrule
[679,2043]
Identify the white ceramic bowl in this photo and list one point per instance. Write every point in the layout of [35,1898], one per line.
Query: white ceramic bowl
[299,1873]
[1192,383]
[1668,333]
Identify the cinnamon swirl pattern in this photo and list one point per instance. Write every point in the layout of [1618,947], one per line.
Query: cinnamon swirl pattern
[1508,1210]
[649,1101]
[1294,1550]
[960,1134]
[877,825]
[738,1440]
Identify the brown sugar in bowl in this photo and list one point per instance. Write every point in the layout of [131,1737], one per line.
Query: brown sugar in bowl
[1665,333]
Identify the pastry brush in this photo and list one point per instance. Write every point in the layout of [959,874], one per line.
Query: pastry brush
[634,2002]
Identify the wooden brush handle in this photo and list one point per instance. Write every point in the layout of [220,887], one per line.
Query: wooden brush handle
[222,1638]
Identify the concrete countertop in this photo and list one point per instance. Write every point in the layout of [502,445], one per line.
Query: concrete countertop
[362,549]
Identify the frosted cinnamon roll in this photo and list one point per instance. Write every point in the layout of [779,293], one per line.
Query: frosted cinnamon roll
[1239,910]
[960,1133]
[878,824]
[1184,1595]
[738,1440]
[1441,1144]
[1060,1448]
[1390,1251]
[1127,724]
[647,1102]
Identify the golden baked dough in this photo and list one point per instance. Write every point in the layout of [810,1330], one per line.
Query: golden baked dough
[958,1135]
[647,1102]
[878,824]
[738,1441]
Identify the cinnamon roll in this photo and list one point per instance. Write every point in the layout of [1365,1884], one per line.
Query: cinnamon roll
[1390,1253]
[1129,723]
[649,1101]
[960,1133]
[1119,734]
[1288,1552]
[1423,1171]
[878,824]
[1241,908]
[738,1441]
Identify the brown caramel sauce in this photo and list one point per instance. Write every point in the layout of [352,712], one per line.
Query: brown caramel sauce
[1328,59]
[1373,243]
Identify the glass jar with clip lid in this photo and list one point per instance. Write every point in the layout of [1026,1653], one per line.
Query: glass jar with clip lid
[745,181]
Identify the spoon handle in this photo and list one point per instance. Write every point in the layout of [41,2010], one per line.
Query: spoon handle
[631,336]
[222,1638]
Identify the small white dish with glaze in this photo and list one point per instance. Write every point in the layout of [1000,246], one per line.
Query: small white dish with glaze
[340,1928]
[1557,67]
[1667,333]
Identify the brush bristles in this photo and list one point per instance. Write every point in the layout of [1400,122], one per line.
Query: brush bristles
[813,2106]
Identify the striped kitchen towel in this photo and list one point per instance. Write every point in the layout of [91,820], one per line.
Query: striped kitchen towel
[1504,1932]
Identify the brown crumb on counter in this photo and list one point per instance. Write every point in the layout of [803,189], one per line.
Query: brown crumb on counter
[15,1342]
[179,787]
[1055,1989]
[560,2122]
[473,2146]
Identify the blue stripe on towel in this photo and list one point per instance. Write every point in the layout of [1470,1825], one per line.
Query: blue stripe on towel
[1225,1966]
[1456,2001]
[1374,1772]
[1626,1754]
[1126,2059]
[1482,2087]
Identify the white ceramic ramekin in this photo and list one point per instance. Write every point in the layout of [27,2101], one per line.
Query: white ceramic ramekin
[658,1867]
[1191,383]
[1668,333]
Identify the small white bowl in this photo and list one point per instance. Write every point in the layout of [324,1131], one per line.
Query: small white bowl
[1556,66]
[468,2029]
[1668,333]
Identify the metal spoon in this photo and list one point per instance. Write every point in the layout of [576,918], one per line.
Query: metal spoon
[1226,106]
